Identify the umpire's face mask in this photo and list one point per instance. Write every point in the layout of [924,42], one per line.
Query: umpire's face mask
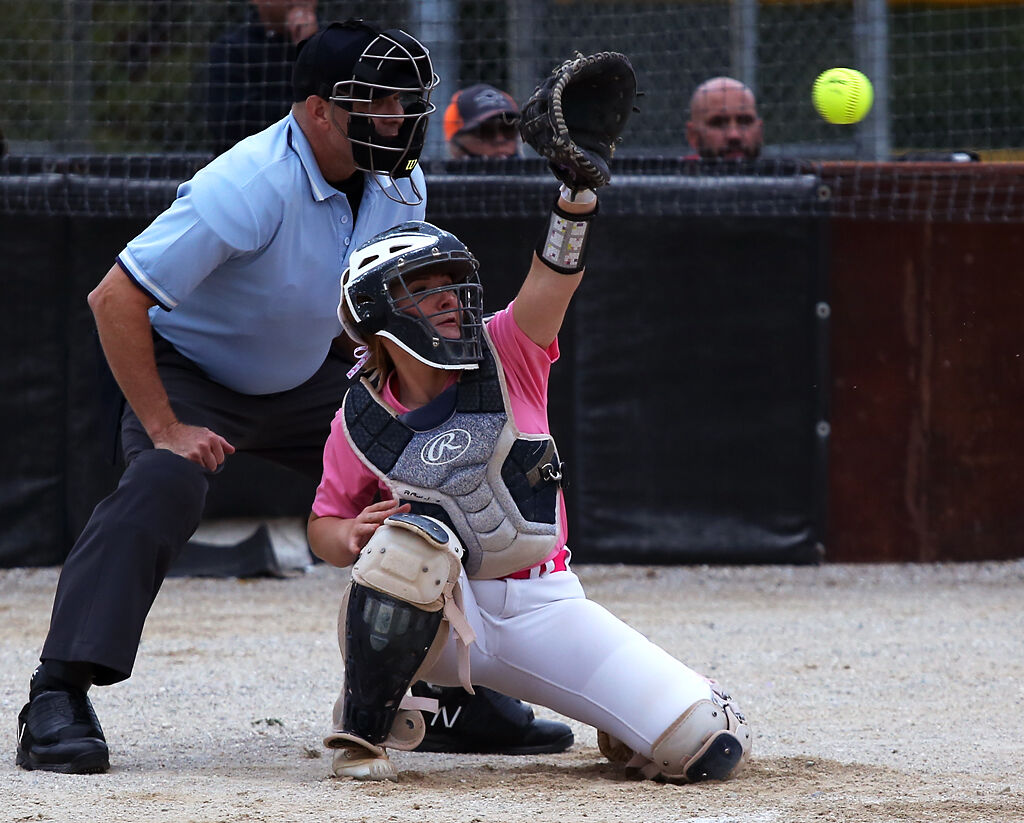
[392,83]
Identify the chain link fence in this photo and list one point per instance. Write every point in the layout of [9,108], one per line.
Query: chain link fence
[119,78]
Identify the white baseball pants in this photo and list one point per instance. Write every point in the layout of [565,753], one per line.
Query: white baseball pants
[542,641]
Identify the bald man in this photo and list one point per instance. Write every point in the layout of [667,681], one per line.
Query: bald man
[723,121]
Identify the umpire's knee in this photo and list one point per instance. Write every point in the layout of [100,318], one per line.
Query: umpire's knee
[165,494]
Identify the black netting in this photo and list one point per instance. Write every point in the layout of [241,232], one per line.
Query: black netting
[126,91]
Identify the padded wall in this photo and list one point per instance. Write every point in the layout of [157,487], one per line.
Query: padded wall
[685,402]
[33,389]
[701,392]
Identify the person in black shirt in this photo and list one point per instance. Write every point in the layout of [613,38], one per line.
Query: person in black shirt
[249,77]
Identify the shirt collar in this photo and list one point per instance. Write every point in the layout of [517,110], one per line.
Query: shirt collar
[300,145]
[391,389]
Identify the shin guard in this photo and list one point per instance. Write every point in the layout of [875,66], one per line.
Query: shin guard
[403,596]
[387,640]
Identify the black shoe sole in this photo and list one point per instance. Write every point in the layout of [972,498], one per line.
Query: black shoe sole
[88,763]
[443,745]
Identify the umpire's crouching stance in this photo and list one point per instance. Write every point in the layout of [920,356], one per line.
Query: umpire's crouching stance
[217,322]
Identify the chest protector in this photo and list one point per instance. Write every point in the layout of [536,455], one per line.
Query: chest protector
[496,487]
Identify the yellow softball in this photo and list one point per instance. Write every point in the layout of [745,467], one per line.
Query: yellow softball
[842,95]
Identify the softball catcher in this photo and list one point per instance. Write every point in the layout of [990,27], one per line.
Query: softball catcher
[442,484]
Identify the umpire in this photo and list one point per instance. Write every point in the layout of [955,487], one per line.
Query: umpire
[217,322]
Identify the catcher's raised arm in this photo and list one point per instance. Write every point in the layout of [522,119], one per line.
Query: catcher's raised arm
[576,115]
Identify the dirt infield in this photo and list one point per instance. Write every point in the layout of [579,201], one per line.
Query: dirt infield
[876,693]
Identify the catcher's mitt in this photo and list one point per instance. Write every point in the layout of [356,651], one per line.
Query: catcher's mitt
[575,117]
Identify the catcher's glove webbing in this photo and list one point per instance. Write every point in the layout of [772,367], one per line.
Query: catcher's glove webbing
[575,117]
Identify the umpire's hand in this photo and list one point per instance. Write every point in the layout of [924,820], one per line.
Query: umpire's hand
[195,443]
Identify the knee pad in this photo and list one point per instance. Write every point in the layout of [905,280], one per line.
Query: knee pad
[395,616]
[709,741]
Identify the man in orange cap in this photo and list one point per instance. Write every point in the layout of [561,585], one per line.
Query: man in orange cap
[482,121]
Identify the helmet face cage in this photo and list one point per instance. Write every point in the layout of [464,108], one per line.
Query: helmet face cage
[377,295]
[394,62]
[412,323]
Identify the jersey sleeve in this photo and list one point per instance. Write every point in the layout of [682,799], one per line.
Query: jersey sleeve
[347,485]
[209,222]
[526,364]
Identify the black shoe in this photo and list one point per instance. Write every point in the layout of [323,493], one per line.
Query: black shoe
[488,723]
[58,732]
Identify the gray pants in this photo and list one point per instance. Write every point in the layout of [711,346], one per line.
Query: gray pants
[116,567]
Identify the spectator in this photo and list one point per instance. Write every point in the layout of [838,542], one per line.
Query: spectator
[249,81]
[723,123]
[482,121]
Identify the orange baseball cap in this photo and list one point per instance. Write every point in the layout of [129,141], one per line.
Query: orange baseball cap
[471,106]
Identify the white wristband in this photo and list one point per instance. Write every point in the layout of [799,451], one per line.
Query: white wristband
[582,197]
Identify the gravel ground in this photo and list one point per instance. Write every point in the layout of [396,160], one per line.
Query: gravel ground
[876,693]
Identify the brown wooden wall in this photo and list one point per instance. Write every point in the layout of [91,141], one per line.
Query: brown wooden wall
[927,451]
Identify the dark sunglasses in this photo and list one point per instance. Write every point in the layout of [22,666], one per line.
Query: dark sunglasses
[502,126]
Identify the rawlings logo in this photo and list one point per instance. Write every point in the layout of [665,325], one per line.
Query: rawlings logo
[405,491]
[446,447]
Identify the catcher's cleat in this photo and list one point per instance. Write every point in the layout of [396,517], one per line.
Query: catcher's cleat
[614,749]
[58,731]
[487,723]
[360,763]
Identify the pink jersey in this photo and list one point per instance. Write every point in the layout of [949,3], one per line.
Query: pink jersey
[348,486]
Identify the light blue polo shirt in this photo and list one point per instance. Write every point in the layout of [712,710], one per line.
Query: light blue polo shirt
[246,263]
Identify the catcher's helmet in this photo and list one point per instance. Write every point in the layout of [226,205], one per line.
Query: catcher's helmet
[375,292]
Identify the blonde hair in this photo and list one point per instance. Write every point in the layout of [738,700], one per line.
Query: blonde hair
[378,364]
